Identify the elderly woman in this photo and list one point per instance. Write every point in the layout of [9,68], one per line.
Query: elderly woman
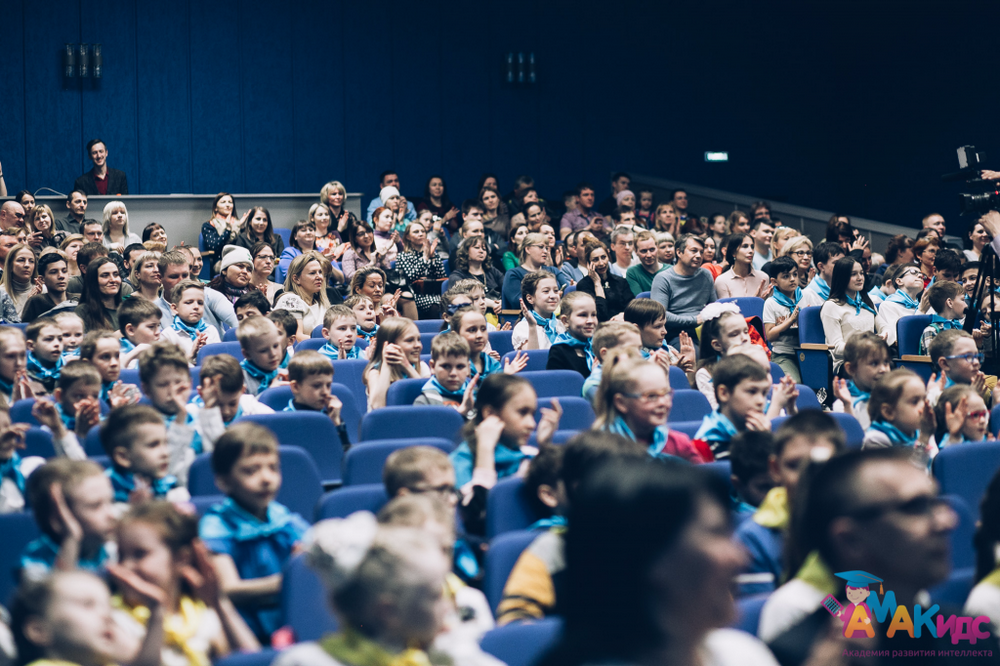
[233,279]
[305,291]
[19,276]
[102,294]
[422,269]
[256,227]
[41,228]
[800,249]
[117,237]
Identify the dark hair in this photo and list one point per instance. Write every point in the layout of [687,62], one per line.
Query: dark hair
[48,259]
[749,452]
[823,252]
[580,187]
[255,299]
[780,265]
[387,172]
[644,311]
[617,213]
[268,231]
[296,228]
[842,270]
[543,470]
[589,450]
[942,290]
[948,260]
[356,230]
[759,221]
[258,247]
[93,314]
[218,198]
[811,424]
[118,430]
[94,142]
[88,252]
[135,311]
[684,239]
[732,370]
[469,204]
[897,244]
[147,232]
[462,254]
[494,392]
[19,197]
[241,439]
[132,247]
[284,320]
[529,285]
[733,244]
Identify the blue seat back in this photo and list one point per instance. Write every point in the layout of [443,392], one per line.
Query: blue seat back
[429,325]
[300,482]
[748,612]
[351,374]
[286,235]
[20,411]
[404,391]
[537,359]
[445,286]
[230,335]
[678,380]
[230,348]
[92,442]
[963,554]
[317,332]
[689,405]
[277,399]
[577,414]
[509,507]
[408,421]
[559,437]
[644,294]
[956,589]
[303,601]
[750,306]
[569,289]
[314,432]
[342,502]
[500,559]
[995,420]
[206,267]
[500,341]
[548,383]
[776,372]
[313,344]
[908,331]
[807,398]
[38,442]
[364,463]
[689,428]
[814,365]
[18,530]
[723,469]
[425,341]
[523,643]
[967,470]
[853,432]
[811,326]
[262,658]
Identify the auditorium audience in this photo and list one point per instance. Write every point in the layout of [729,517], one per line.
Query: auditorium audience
[101,296]
[305,291]
[256,227]
[221,229]
[40,223]
[685,288]
[390,178]
[154,232]
[583,215]
[334,196]
[472,262]
[101,179]
[76,204]
[422,271]
[743,277]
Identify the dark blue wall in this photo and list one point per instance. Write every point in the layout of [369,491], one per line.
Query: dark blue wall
[849,106]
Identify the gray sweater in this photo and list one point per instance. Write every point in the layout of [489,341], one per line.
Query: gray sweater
[683,297]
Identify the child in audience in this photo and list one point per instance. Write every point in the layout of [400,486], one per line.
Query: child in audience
[651,318]
[962,416]
[495,441]
[222,398]
[135,441]
[784,393]
[53,272]
[808,436]
[451,301]
[475,290]
[189,330]
[139,323]
[471,325]
[364,310]
[250,533]
[781,315]
[394,356]
[72,332]
[723,327]
[159,545]
[903,302]
[44,339]
[610,336]
[741,388]
[73,505]
[825,255]
[77,397]
[901,416]
[948,300]
[262,349]
[749,476]
[251,304]
[665,248]
[14,383]
[634,401]
[449,383]
[955,352]
[340,328]
[541,486]
[288,327]
[103,350]
[539,326]
[866,359]
[310,375]
[573,350]
[849,311]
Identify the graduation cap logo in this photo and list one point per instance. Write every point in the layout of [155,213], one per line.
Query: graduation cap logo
[860,579]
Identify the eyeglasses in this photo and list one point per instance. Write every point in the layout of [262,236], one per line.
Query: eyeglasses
[445,491]
[649,397]
[921,506]
[981,414]
[967,357]
[265,257]
[801,253]
[907,274]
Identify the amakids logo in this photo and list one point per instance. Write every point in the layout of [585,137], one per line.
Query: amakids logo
[864,609]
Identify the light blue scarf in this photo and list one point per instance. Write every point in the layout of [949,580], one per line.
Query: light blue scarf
[457,396]
[904,299]
[785,301]
[587,346]
[857,393]
[656,446]
[332,352]
[368,335]
[191,331]
[123,484]
[11,469]
[946,324]
[549,523]
[895,435]
[36,369]
[820,286]
[548,325]
[126,345]
[490,366]
[859,303]
[716,428]
[265,378]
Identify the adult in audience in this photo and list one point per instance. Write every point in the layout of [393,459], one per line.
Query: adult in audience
[101,296]
[175,266]
[328,238]
[709,257]
[924,253]
[86,254]
[263,267]
[221,230]
[20,275]
[718,229]
[620,182]
[386,235]
[145,278]
[421,268]
[739,222]
[101,179]
[529,196]
[611,293]
[362,251]
[93,231]
[517,197]
[305,291]
[114,230]
[742,279]
[761,233]
[472,225]
[130,257]
[301,239]
[581,217]
[11,215]
[689,222]
[390,179]
[154,232]
[233,279]
[622,242]
[76,204]
[495,215]
[572,268]
[535,216]
[510,256]
[334,196]
[648,586]
[979,238]
[935,222]
[472,262]
[437,201]
[800,249]
[70,246]
[780,237]
[849,309]
[685,288]
[41,228]
[256,227]
[665,219]
[640,276]
[25,198]
[899,251]
[533,255]
[760,210]
[53,270]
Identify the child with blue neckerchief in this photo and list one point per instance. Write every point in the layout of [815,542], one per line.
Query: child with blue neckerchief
[741,389]
[288,327]
[77,397]
[723,327]
[903,301]
[611,337]
[72,328]
[251,534]
[103,349]
[781,315]
[340,330]
[962,415]
[139,324]
[189,330]
[14,382]
[539,326]
[960,360]
[364,310]
[901,416]
[825,255]
[310,375]
[574,350]
[948,300]
[470,323]
[866,359]
[262,353]
[221,399]
[135,440]
[651,319]
[449,384]
[44,339]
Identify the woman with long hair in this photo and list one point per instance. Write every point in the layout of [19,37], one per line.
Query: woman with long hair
[145,276]
[741,279]
[362,251]
[305,291]
[495,214]
[256,227]
[301,240]
[979,238]
[436,200]
[328,239]
[20,276]
[394,356]
[223,227]
[514,239]
[41,228]
[666,219]
[611,293]
[117,237]
[370,282]
[70,246]
[849,310]
[423,270]
[386,238]
[472,262]
[102,294]
[263,267]
[739,222]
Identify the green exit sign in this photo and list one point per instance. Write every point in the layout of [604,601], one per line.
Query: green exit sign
[716,156]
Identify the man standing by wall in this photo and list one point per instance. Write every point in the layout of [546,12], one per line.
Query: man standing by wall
[101,179]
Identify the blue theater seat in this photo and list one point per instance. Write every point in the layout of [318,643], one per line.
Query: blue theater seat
[750,306]
[554,383]
[277,399]
[314,432]
[429,325]
[689,405]
[966,470]
[509,507]
[404,422]
[500,560]
[577,412]
[304,601]
[18,530]
[523,643]
[500,341]
[537,359]
[363,463]
[231,348]
[342,502]
[404,391]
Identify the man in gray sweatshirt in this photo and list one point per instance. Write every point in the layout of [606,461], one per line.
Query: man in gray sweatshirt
[685,288]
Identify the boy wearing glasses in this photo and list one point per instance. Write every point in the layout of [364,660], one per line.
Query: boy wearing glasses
[958,356]
[906,284]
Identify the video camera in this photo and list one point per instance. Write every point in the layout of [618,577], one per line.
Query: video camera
[970,164]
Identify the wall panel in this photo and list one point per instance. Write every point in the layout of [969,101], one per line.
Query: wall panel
[12,138]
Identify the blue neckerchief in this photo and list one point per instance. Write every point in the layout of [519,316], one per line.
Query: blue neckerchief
[290,407]
[126,344]
[820,286]
[106,391]
[655,448]
[123,483]
[858,303]
[434,385]
[895,435]
[785,301]
[284,361]
[549,523]
[332,352]
[68,420]
[191,331]
[368,335]
[946,324]
[877,295]
[265,378]
[948,382]
[490,366]
[196,443]
[11,469]
[464,559]
[548,325]
[946,440]
[856,393]
[244,526]
[587,346]
[69,355]
[7,389]
[904,299]
[36,369]
[716,427]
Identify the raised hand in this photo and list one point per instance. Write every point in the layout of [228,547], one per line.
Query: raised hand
[392,354]
[843,393]
[549,422]
[333,409]
[88,414]
[197,344]
[63,522]
[506,326]
[928,422]
[488,434]
[469,396]
[954,419]
[202,576]
[123,394]
[687,360]
[528,316]
[131,585]
[22,386]
[515,365]
[14,436]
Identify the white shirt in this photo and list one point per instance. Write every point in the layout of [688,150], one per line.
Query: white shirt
[840,323]
[520,334]
[310,315]
[985,600]
[889,313]
[184,341]
[787,341]
[703,381]
[786,607]
[732,647]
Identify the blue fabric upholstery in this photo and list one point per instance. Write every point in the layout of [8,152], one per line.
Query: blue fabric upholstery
[363,463]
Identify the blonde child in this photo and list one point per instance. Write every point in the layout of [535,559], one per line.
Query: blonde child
[610,337]
[159,545]
[471,325]
[310,375]
[262,349]
[340,330]
[394,356]
[963,414]
[103,349]
[665,248]
[901,415]
[189,330]
[741,388]
[135,441]
[723,326]
[539,326]
[222,399]
[72,327]
[139,323]
[44,362]
[866,359]
[364,310]
[250,533]
[573,350]
[449,384]
[14,383]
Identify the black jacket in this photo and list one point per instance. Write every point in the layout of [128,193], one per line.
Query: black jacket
[617,295]
[117,183]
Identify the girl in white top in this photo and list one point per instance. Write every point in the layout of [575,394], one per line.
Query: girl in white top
[723,327]
[305,291]
[116,234]
[539,302]
[849,309]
